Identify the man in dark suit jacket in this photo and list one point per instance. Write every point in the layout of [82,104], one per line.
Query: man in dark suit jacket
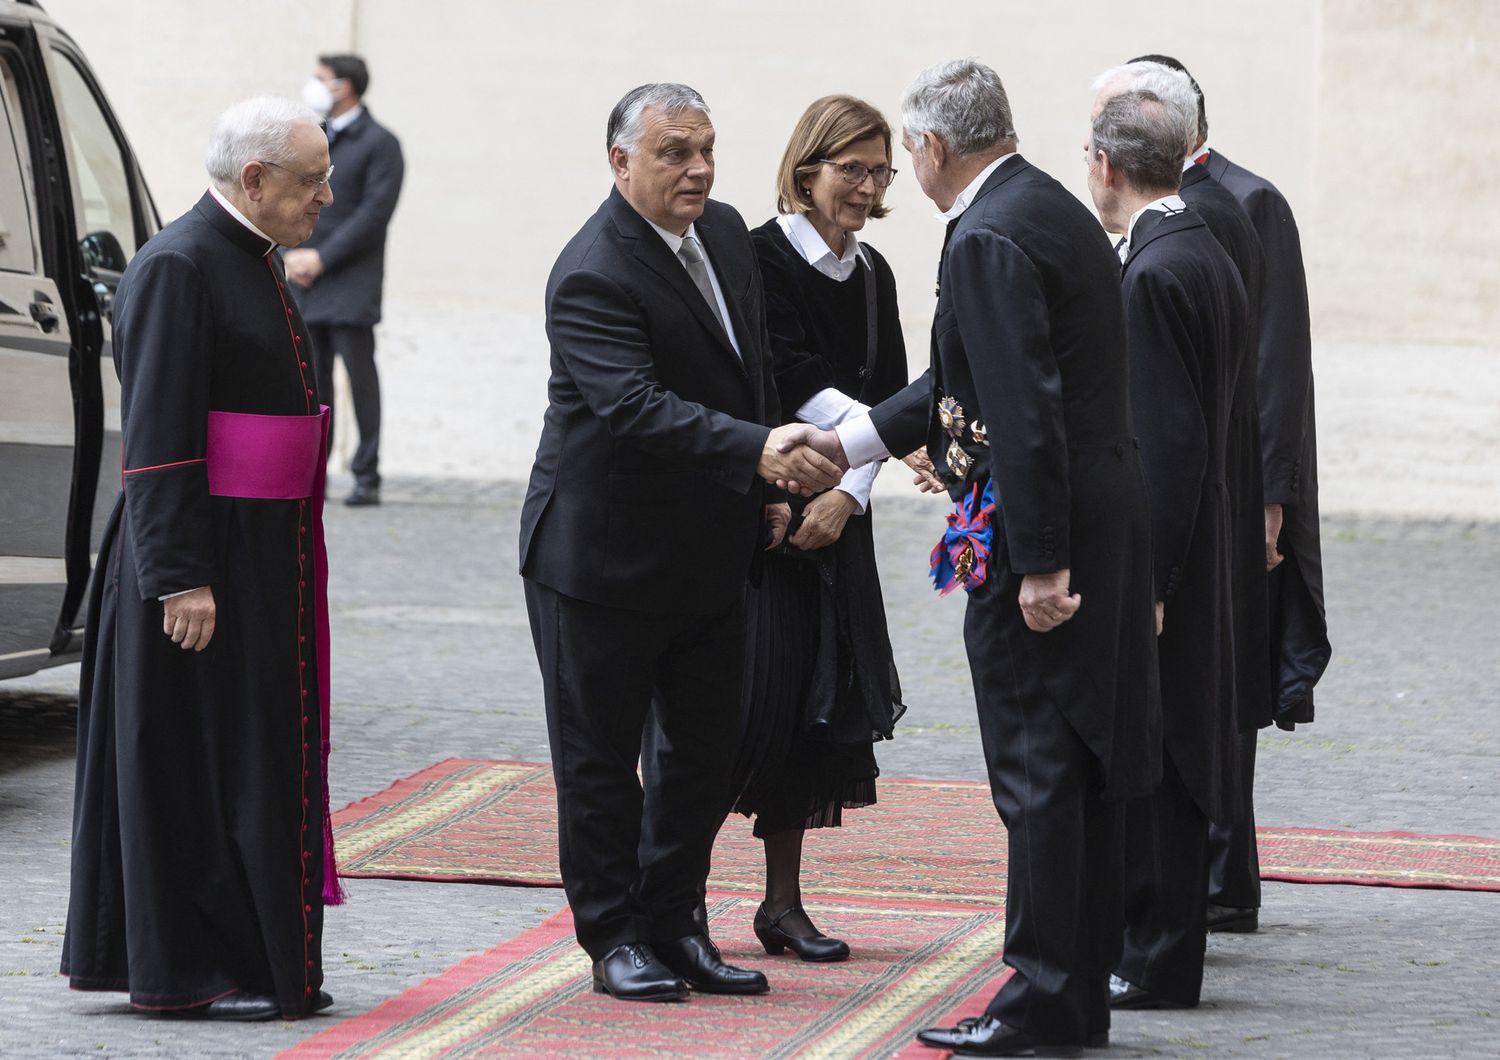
[1187,322]
[338,274]
[642,520]
[1298,648]
[1025,405]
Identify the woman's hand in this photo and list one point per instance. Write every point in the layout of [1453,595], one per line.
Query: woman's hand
[823,520]
[778,518]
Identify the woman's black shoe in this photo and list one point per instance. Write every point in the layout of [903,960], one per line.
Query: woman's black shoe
[815,947]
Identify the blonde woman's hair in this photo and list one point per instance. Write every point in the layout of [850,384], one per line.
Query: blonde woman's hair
[827,127]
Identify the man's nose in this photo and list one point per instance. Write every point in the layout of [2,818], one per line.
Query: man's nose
[325,194]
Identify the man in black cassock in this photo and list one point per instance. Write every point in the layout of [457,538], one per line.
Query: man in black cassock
[1186,316]
[198,835]
[1025,414]
[1298,645]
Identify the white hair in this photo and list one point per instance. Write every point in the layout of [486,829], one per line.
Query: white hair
[624,129]
[254,130]
[1173,87]
[962,102]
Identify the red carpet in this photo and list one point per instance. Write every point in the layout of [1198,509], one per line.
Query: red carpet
[532,996]
[927,840]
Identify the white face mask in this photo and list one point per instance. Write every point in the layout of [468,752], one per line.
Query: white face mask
[318,98]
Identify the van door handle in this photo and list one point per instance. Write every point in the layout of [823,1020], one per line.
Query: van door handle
[45,316]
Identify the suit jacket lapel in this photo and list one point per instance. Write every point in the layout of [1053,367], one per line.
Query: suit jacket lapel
[651,251]
[721,259]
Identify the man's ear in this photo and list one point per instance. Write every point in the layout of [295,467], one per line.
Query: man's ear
[934,148]
[619,162]
[252,180]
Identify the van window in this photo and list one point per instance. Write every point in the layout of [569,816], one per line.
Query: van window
[17,250]
[101,181]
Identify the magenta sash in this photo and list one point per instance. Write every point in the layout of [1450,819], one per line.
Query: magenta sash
[283,458]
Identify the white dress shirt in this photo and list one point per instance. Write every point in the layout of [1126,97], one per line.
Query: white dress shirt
[346,119]
[829,407]
[857,434]
[674,244]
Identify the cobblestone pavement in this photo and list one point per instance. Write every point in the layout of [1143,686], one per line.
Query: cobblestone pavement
[433,659]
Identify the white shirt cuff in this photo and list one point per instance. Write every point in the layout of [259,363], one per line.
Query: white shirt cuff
[181,592]
[829,407]
[857,482]
[861,441]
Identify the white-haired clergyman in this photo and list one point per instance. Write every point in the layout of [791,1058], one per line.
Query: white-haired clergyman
[200,868]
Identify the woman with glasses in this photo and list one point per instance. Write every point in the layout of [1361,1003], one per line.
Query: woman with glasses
[822,684]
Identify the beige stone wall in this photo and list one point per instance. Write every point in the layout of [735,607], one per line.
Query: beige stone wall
[1372,115]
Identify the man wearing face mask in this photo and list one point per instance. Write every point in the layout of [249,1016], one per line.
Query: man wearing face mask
[337,275]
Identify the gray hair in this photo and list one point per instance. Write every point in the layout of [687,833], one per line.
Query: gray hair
[254,130]
[624,128]
[963,103]
[1142,135]
[1172,87]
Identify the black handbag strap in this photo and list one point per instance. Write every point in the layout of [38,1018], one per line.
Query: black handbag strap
[872,338]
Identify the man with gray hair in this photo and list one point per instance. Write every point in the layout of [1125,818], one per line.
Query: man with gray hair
[1025,414]
[202,857]
[646,511]
[1186,325]
[1299,648]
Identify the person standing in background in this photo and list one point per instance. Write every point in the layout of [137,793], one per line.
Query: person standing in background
[338,274]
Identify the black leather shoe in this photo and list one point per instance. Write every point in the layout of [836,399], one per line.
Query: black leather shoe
[1233,918]
[237,1007]
[324,1001]
[632,973]
[697,960]
[363,496]
[815,947]
[987,1036]
[1126,995]
[1097,1040]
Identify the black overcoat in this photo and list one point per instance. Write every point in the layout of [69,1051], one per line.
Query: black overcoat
[368,169]
[1289,448]
[198,810]
[1185,316]
[1227,220]
[644,493]
[1029,342]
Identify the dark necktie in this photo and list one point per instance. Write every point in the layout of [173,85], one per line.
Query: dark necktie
[691,255]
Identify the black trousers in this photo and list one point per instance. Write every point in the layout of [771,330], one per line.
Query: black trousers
[634,863]
[355,343]
[1166,891]
[1062,906]
[1233,856]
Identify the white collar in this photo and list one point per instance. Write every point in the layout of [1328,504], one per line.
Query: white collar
[1167,204]
[346,119]
[809,242]
[673,240]
[241,218]
[966,196]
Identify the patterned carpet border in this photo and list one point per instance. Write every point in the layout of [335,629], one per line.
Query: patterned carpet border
[469,820]
[532,996]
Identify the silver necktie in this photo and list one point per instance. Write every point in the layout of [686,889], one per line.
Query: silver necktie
[692,259]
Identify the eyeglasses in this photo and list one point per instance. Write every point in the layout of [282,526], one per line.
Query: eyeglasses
[310,182]
[855,172]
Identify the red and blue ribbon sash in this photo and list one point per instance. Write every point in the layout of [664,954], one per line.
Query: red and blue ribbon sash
[962,556]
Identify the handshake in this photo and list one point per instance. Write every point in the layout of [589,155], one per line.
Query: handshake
[801,458]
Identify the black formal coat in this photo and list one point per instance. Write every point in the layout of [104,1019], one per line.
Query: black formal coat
[1186,314]
[644,493]
[198,812]
[1230,225]
[1028,341]
[350,237]
[1289,448]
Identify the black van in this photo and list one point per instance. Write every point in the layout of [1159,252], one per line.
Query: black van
[73,210]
